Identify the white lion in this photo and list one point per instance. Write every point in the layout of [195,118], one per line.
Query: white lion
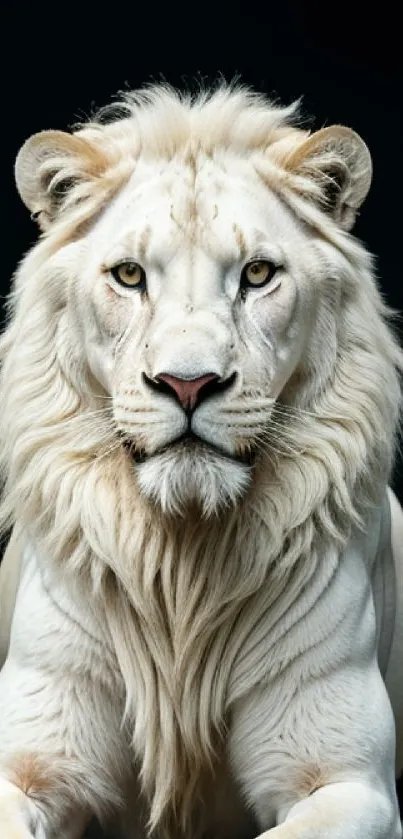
[199,403]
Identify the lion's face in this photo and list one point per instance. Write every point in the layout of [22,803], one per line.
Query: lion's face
[195,295]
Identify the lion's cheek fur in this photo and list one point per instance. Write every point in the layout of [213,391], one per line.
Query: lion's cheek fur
[281,325]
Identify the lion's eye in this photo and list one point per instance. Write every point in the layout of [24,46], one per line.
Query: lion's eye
[130,275]
[257,273]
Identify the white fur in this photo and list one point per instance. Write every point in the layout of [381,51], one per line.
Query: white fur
[192,621]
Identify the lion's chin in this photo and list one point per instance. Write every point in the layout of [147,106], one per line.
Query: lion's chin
[181,476]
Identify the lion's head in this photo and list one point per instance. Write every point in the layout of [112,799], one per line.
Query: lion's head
[204,275]
[196,333]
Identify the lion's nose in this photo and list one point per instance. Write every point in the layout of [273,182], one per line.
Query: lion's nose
[189,392]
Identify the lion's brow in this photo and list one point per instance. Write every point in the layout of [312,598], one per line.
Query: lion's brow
[240,241]
[133,243]
[143,242]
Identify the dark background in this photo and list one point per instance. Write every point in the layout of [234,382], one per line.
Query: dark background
[62,60]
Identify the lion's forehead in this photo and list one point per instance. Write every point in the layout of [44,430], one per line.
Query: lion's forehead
[218,204]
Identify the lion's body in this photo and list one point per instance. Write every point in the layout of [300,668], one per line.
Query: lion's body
[200,398]
[225,814]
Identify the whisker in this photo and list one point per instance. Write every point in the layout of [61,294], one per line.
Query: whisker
[88,416]
[269,446]
[112,448]
[296,411]
[281,444]
[271,453]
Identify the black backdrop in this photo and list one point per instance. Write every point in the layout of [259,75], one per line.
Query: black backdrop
[62,60]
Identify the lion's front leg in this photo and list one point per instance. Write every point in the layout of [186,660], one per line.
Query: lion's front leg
[351,810]
[62,754]
[17,813]
[22,818]
[319,762]
[48,782]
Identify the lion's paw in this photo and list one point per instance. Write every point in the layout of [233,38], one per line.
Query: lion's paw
[16,814]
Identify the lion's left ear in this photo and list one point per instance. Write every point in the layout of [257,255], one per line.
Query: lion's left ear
[339,162]
[48,166]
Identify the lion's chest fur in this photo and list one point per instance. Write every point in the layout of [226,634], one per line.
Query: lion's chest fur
[171,625]
[181,626]
[193,640]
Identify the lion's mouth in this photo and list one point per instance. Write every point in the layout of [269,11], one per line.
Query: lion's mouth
[194,444]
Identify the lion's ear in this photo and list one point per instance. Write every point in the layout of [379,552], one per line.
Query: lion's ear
[48,165]
[338,160]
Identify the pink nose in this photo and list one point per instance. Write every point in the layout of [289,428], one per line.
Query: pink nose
[187,390]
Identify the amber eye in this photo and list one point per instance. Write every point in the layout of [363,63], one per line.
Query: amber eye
[257,273]
[130,275]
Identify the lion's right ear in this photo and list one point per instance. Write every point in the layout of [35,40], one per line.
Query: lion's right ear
[337,161]
[48,166]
